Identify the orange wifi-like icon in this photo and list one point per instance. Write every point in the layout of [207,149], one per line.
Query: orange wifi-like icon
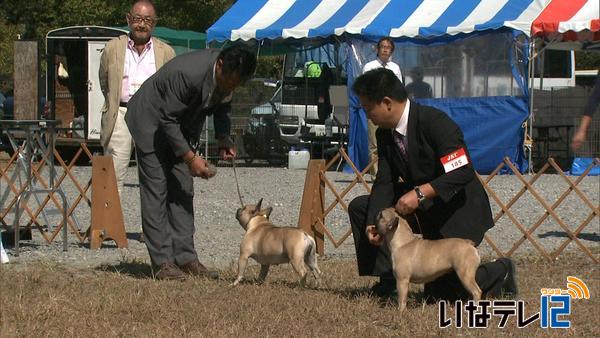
[577,288]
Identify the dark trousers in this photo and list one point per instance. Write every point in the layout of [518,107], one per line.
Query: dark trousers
[166,196]
[376,261]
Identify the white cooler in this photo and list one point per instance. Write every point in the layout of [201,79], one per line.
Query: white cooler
[298,159]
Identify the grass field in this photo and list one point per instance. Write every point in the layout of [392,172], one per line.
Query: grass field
[46,299]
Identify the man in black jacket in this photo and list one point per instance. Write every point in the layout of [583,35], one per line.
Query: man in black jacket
[165,118]
[425,172]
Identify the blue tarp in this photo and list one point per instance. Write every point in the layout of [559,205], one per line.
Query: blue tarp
[580,164]
[492,127]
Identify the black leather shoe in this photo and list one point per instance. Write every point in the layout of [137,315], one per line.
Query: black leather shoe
[510,287]
[195,268]
[385,288]
[169,271]
[506,287]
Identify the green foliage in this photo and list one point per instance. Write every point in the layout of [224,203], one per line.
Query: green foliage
[191,14]
[9,34]
[33,19]
[587,60]
[269,67]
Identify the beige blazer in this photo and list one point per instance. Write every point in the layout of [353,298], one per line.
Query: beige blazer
[112,64]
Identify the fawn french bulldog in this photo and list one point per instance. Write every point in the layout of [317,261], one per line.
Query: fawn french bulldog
[420,261]
[269,245]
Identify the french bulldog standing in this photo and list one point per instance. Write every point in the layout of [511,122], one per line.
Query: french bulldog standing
[269,245]
[420,261]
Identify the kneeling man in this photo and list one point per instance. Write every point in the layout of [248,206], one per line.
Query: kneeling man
[426,173]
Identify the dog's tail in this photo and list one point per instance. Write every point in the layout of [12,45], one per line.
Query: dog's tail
[310,253]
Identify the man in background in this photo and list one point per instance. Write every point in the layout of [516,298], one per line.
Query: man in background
[126,62]
[418,89]
[580,135]
[385,49]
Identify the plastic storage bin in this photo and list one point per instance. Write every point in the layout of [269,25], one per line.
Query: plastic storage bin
[298,159]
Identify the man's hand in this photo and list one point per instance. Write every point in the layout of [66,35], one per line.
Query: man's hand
[374,237]
[226,148]
[580,135]
[578,139]
[408,203]
[199,167]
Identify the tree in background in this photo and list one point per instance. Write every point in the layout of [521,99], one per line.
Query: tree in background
[587,60]
[31,20]
[9,34]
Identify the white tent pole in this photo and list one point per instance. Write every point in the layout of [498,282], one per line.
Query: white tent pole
[529,130]
[542,68]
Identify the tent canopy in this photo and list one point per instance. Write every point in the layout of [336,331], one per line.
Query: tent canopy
[422,19]
[569,24]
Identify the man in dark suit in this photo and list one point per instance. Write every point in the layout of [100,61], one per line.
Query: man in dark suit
[425,172]
[165,118]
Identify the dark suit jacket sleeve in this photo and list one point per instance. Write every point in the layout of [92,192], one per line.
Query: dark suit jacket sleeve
[446,137]
[175,95]
[382,192]
[221,120]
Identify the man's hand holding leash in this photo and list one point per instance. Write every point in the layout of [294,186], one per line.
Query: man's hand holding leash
[406,205]
[410,201]
[226,148]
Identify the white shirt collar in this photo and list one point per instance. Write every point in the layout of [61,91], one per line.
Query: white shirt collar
[402,125]
[383,64]
[131,43]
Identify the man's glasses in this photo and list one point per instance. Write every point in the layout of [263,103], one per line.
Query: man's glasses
[138,19]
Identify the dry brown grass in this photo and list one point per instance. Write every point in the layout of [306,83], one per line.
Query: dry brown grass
[52,300]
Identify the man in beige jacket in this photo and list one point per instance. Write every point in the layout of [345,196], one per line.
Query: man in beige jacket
[127,61]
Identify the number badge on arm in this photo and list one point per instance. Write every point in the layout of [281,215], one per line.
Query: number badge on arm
[454,160]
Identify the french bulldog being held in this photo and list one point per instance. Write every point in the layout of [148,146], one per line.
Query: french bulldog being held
[269,245]
[420,261]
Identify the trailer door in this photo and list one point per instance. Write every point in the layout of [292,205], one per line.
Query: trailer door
[95,97]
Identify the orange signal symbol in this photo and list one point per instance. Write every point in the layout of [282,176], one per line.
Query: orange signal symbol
[577,288]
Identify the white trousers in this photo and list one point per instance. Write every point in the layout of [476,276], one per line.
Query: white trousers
[119,147]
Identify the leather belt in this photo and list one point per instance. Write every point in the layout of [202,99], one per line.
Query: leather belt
[123,104]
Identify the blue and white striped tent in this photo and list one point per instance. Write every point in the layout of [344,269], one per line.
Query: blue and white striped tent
[300,19]
[492,125]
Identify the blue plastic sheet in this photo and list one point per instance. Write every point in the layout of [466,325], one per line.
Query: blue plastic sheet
[580,164]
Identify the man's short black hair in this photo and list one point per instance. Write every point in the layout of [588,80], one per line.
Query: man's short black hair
[238,60]
[388,39]
[378,83]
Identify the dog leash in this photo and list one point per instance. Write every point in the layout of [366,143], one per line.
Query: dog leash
[237,184]
[418,224]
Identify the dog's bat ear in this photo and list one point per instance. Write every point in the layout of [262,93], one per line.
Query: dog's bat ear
[266,212]
[257,208]
[394,223]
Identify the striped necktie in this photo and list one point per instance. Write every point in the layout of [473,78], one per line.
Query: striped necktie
[400,141]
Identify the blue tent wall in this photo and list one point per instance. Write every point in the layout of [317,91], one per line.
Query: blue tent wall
[492,126]
[488,143]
